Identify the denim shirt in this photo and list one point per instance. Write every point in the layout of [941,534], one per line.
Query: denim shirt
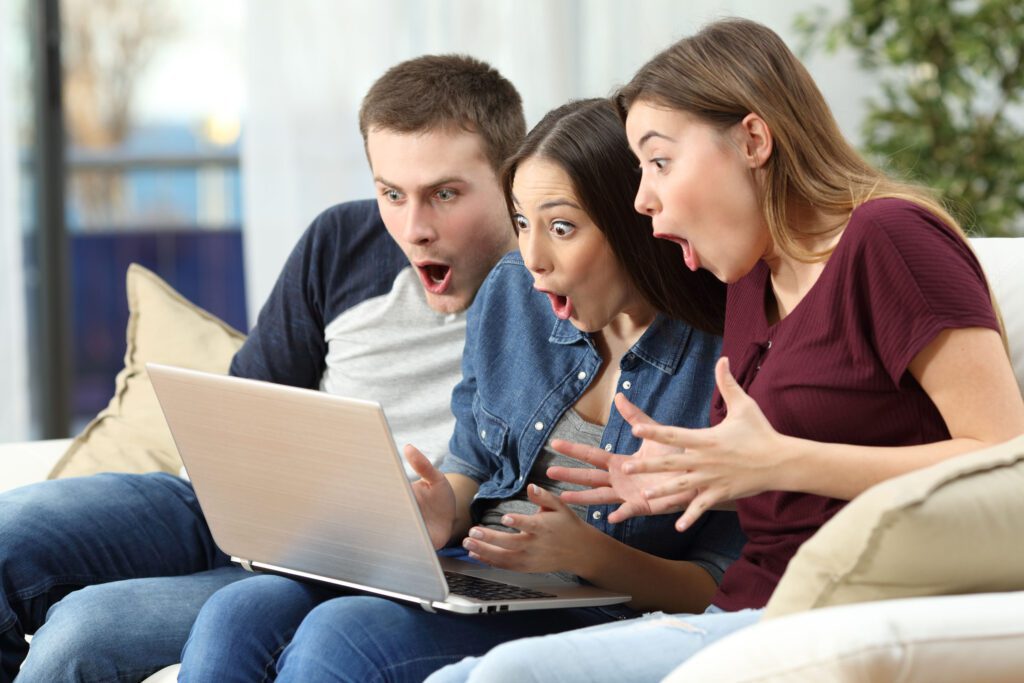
[522,368]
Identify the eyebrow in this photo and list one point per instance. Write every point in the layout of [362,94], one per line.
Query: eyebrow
[652,134]
[554,203]
[448,180]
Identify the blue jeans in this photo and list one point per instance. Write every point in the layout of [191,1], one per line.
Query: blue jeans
[273,626]
[110,535]
[643,649]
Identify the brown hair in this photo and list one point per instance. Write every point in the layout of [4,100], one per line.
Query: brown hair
[734,67]
[586,139]
[444,92]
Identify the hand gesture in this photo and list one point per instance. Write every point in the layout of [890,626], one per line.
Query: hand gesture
[609,483]
[737,458]
[434,495]
[552,539]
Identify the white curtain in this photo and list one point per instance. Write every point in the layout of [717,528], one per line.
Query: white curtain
[309,62]
[14,396]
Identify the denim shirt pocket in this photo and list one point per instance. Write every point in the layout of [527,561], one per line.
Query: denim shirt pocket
[490,429]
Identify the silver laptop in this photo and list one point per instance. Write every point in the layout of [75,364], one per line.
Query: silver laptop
[307,484]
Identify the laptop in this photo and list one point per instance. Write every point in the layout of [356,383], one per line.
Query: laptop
[310,485]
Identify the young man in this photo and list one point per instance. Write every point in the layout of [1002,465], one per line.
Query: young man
[370,304]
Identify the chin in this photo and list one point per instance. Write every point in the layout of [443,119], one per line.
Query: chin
[447,304]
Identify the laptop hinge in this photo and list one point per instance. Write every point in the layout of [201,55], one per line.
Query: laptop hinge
[246,565]
[428,606]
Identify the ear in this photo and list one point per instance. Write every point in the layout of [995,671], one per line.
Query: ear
[755,140]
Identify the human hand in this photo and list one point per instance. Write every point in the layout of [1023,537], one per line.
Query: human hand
[552,539]
[609,483]
[434,495]
[737,458]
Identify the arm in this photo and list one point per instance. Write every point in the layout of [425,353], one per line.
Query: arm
[965,372]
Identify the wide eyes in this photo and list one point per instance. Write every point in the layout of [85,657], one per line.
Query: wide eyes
[392,195]
[445,194]
[559,228]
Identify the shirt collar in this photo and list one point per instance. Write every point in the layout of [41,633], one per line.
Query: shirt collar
[661,345]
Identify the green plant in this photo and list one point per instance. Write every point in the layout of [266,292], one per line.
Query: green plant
[951,110]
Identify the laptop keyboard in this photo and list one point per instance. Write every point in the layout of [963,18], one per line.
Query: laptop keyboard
[484,589]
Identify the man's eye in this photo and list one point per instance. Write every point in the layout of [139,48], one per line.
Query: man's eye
[392,195]
[562,228]
[446,195]
[520,222]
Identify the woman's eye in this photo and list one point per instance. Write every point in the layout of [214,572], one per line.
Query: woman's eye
[659,163]
[520,222]
[446,195]
[562,228]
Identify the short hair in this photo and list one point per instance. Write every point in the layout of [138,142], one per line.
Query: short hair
[586,139]
[447,92]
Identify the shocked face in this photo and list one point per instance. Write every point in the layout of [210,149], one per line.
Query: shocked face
[697,184]
[567,254]
[441,201]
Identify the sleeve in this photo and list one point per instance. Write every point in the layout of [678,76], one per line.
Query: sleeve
[915,278]
[287,345]
[468,454]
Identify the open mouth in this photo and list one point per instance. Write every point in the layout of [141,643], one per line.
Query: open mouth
[689,255]
[561,305]
[436,277]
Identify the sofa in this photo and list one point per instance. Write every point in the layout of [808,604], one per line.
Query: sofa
[921,578]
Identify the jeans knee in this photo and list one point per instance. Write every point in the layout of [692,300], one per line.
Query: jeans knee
[520,661]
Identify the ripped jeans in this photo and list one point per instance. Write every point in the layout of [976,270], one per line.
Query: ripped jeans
[647,648]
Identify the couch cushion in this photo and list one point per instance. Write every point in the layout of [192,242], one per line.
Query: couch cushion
[130,434]
[954,527]
[945,639]
[1001,258]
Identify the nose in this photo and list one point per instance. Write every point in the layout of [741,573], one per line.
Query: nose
[418,228]
[533,248]
[646,201]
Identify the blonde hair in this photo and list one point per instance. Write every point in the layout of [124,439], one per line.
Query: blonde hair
[735,67]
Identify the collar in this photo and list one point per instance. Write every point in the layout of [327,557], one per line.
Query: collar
[662,344]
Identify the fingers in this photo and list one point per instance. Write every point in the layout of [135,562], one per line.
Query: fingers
[588,454]
[672,486]
[626,511]
[695,509]
[578,475]
[421,464]
[679,437]
[545,499]
[630,413]
[677,461]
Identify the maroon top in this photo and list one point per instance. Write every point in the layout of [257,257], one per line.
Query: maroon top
[835,369]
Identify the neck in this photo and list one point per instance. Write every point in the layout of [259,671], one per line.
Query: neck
[619,335]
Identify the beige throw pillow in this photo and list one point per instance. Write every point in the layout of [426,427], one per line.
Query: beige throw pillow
[130,434]
[954,527]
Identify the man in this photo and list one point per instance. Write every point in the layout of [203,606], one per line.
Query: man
[370,304]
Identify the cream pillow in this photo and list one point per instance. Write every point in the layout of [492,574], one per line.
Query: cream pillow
[948,639]
[955,527]
[130,434]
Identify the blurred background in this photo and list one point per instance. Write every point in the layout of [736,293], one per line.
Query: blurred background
[200,138]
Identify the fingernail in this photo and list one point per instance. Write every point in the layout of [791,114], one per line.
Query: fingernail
[476,533]
[468,544]
[507,521]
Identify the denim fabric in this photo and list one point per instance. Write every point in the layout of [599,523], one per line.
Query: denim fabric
[271,626]
[516,386]
[59,536]
[637,650]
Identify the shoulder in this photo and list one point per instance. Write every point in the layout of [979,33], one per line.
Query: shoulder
[352,223]
[507,297]
[902,225]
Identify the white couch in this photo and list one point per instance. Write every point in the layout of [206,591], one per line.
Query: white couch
[1003,260]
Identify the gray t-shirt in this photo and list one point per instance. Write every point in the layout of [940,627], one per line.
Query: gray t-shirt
[396,350]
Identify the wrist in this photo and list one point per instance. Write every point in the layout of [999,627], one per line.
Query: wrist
[586,556]
[791,469]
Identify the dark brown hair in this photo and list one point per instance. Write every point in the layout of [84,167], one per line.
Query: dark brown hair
[446,92]
[586,139]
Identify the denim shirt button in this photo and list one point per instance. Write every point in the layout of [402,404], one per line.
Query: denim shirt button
[483,433]
[627,384]
[597,515]
[608,447]
[582,375]
[539,426]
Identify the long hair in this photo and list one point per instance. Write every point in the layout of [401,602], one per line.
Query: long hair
[734,67]
[586,139]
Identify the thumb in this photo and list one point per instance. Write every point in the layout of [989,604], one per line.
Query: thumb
[727,385]
[421,465]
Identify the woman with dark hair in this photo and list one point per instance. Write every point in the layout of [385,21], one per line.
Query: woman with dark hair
[554,332]
[860,342]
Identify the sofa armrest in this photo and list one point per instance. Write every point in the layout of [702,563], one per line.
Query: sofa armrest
[939,639]
[28,462]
